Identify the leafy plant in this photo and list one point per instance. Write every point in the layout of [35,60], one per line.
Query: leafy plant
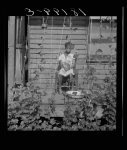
[52,103]
[95,112]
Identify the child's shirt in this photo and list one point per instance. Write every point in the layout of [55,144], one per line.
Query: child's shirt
[66,60]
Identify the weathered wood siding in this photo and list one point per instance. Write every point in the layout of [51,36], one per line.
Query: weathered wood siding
[108,45]
[45,47]
[11,50]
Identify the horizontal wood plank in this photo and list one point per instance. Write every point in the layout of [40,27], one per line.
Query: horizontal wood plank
[60,32]
[80,75]
[79,61]
[58,37]
[48,72]
[40,53]
[79,67]
[56,28]
[52,66]
[50,56]
[49,82]
[49,77]
[59,46]
[54,61]
[57,42]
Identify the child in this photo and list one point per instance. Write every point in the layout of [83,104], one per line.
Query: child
[66,63]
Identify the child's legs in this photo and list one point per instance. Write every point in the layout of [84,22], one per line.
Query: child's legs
[68,80]
[60,80]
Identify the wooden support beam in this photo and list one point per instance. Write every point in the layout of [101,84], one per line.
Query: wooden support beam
[20,48]
[11,50]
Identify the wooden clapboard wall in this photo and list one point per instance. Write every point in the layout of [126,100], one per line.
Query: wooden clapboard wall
[107,43]
[45,47]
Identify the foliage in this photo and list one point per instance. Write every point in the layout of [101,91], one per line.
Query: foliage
[95,112]
[98,109]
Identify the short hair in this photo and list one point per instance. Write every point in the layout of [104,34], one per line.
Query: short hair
[67,44]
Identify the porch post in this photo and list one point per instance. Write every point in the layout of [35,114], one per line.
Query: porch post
[20,48]
[11,50]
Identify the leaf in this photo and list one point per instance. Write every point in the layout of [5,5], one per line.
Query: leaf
[99,113]
[52,121]
[14,120]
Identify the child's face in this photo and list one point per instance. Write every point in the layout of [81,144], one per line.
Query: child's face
[68,49]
